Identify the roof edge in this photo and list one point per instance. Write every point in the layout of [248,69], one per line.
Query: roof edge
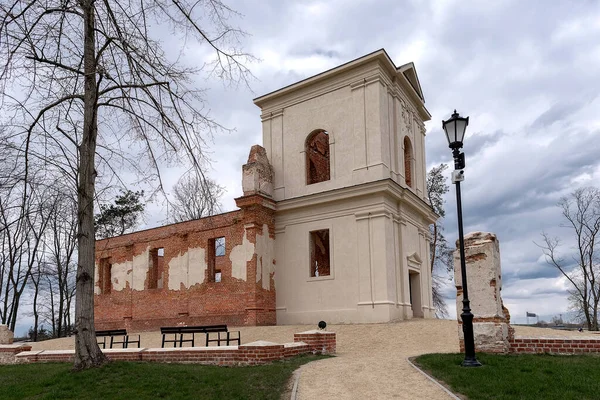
[381,53]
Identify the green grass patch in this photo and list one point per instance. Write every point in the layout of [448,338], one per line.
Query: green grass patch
[130,380]
[522,376]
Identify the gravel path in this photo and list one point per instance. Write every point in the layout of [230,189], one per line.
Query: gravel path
[371,359]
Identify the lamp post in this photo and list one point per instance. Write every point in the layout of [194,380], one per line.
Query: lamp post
[455,129]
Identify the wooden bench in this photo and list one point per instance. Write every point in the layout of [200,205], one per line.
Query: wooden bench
[125,339]
[179,335]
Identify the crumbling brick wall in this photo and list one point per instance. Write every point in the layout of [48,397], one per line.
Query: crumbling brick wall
[491,320]
[179,284]
[189,294]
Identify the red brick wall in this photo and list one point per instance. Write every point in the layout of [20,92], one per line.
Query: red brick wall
[232,301]
[246,354]
[549,345]
[319,342]
[554,345]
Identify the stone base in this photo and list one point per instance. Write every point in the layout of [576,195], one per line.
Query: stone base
[6,336]
[8,352]
[490,337]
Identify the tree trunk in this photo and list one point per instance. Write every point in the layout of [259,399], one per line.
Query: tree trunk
[595,316]
[433,246]
[36,316]
[586,312]
[59,323]
[87,351]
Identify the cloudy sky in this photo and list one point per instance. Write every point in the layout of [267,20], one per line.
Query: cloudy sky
[527,73]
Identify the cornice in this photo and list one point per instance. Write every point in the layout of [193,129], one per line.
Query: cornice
[385,186]
[270,115]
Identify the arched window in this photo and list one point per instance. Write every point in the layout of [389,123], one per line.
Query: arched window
[408,158]
[317,157]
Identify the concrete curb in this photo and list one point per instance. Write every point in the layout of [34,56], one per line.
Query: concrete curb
[296,380]
[452,395]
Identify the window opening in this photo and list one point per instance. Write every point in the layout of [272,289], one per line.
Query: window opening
[157,257]
[105,275]
[408,158]
[220,246]
[216,248]
[319,253]
[317,157]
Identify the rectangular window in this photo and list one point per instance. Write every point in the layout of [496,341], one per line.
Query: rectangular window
[157,257]
[216,248]
[220,246]
[105,275]
[319,253]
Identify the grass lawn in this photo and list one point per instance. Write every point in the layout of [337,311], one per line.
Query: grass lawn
[523,376]
[123,380]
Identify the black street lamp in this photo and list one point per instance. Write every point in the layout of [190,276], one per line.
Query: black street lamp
[455,129]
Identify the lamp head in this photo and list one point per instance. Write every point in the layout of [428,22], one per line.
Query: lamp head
[455,129]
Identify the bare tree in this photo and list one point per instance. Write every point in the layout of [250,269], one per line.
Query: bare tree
[57,269]
[195,196]
[23,220]
[440,252]
[581,211]
[90,90]
[62,264]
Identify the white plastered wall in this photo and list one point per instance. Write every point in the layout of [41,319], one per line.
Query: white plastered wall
[367,114]
[239,256]
[265,254]
[304,299]
[187,269]
[369,244]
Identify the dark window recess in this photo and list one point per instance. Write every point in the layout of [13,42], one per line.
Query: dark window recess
[408,158]
[319,253]
[157,257]
[105,275]
[317,157]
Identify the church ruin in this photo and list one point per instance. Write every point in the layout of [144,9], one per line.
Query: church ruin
[333,223]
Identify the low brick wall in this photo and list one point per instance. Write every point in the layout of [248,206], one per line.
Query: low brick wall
[255,353]
[321,342]
[555,345]
[9,351]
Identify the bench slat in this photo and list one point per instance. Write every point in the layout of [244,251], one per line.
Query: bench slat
[112,333]
[178,333]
